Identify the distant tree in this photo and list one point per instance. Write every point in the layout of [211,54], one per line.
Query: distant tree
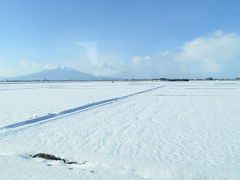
[209,78]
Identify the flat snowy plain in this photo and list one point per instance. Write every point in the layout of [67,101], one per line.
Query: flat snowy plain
[121,130]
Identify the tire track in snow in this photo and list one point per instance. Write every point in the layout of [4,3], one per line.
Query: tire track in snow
[75,110]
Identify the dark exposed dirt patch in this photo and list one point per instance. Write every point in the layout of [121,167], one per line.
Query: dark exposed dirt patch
[53,158]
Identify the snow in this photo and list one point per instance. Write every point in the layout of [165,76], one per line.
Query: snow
[23,101]
[176,130]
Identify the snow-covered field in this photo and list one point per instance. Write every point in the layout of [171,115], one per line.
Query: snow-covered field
[21,101]
[121,130]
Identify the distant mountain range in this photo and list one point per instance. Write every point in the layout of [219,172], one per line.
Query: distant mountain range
[60,73]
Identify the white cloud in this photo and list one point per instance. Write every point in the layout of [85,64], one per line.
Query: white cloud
[49,66]
[209,54]
[35,65]
[98,63]
[107,65]
[31,67]
[23,63]
[215,54]
[218,33]
[91,49]
[139,59]
[165,53]
[27,64]
[154,66]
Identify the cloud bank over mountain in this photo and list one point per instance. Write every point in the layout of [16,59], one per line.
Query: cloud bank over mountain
[216,54]
[59,73]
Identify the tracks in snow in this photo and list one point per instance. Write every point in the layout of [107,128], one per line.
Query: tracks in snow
[75,110]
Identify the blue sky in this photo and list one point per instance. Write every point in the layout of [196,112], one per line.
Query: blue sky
[127,38]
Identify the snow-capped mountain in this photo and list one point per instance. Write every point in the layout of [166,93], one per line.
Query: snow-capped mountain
[59,73]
